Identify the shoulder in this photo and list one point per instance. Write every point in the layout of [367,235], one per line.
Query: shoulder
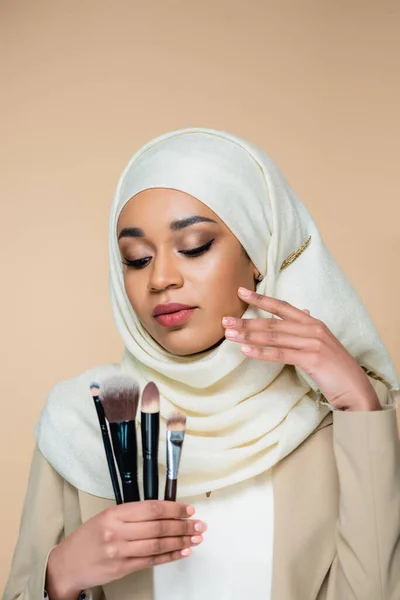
[71,398]
[68,434]
[65,392]
[83,379]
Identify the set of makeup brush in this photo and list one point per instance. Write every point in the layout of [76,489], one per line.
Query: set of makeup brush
[116,400]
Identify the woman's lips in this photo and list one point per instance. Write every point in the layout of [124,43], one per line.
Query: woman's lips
[170,315]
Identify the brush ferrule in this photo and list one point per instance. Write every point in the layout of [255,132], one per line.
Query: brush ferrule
[150,435]
[174,449]
[123,436]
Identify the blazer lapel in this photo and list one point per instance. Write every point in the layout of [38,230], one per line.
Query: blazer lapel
[138,585]
[306,505]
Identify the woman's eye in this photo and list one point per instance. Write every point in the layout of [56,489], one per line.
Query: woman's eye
[141,263]
[138,263]
[199,250]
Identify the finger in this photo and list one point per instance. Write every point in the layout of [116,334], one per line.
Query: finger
[153,510]
[306,311]
[163,528]
[137,564]
[275,339]
[312,328]
[156,546]
[281,355]
[280,308]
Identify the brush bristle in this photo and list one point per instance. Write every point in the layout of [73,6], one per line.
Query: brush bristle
[151,398]
[94,389]
[176,422]
[119,395]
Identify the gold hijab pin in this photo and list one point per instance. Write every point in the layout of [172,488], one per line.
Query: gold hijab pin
[292,257]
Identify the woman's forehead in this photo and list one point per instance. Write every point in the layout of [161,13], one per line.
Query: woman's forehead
[164,206]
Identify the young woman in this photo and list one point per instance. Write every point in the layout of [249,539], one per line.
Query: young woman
[285,384]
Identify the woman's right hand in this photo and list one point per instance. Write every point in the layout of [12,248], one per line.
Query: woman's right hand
[119,541]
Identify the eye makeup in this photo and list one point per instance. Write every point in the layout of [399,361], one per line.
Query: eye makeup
[140,263]
[137,263]
[198,250]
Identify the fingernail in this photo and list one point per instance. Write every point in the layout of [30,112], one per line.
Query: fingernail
[246,349]
[229,321]
[200,527]
[196,539]
[186,552]
[232,333]
[244,291]
[190,510]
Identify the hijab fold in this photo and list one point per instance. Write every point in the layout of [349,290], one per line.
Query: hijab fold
[243,416]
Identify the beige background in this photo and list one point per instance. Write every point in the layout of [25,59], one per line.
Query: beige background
[85,83]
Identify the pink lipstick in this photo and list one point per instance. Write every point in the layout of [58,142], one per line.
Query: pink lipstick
[172,314]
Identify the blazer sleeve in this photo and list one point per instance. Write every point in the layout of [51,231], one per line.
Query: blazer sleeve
[42,527]
[367,451]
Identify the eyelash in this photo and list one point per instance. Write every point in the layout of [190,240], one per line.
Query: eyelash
[140,263]
[199,250]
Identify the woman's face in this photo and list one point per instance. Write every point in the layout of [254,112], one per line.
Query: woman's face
[182,269]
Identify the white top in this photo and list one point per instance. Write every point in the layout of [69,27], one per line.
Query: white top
[234,562]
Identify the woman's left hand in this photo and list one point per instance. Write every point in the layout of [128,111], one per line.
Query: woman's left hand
[296,338]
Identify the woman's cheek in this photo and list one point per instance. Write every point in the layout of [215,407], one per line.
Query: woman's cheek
[134,297]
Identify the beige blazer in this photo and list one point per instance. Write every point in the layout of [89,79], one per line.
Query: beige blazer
[337,518]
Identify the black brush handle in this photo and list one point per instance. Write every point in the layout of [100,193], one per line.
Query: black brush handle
[171,486]
[108,450]
[150,427]
[125,450]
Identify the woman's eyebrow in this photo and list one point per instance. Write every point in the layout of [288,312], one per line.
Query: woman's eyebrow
[137,232]
[128,232]
[188,221]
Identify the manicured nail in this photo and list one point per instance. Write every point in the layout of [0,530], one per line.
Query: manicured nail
[190,510]
[200,527]
[245,292]
[232,333]
[246,349]
[229,321]
[196,539]
[186,552]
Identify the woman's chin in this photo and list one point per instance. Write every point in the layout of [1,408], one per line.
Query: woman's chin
[188,342]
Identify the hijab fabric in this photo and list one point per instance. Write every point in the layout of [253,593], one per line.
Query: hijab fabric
[243,415]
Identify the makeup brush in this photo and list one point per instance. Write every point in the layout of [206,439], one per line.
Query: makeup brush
[150,427]
[95,388]
[176,425]
[119,396]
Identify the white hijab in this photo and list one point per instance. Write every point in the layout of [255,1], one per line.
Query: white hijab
[243,416]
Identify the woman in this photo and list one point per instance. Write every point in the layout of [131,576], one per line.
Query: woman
[268,355]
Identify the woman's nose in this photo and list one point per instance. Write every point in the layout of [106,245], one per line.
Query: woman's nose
[164,273]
